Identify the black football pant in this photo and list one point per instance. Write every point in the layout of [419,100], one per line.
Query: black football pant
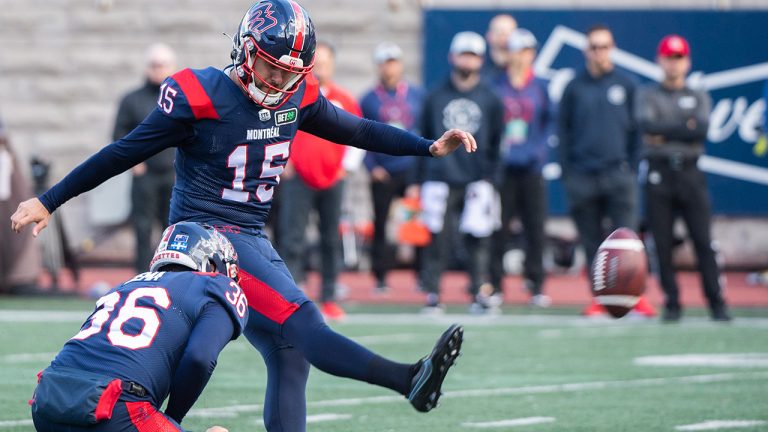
[522,194]
[683,191]
[296,204]
[382,194]
[150,204]
[599,203]
[437,254]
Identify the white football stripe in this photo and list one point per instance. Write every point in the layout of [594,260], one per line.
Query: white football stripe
[625,244]
[720,424]
[617,300]
[510,422]
[14,423]
[743,360]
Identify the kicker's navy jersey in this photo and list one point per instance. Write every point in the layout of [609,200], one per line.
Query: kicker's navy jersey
[139,330]
[230,151]
[230,167]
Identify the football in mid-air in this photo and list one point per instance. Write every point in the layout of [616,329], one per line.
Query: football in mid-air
[619,272]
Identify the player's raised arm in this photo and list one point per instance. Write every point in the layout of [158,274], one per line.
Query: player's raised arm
[156,133]
[323,119]
[451,140]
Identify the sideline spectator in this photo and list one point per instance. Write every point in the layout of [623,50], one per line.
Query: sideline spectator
[598,151]
[152,180]
[497,36]
[397,102]
[529,123]
[20,260]
[674,119]
[313,180]
[459,185]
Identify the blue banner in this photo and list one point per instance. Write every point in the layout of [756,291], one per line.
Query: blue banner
[729,51]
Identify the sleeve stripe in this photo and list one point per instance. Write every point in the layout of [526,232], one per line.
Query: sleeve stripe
[199,101]
[311,91]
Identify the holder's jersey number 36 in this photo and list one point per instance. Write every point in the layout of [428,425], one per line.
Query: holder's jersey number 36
[129,310]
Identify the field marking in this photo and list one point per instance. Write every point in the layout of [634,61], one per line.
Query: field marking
[233,410]
[28,357]
[319,418]
[526,421]
[739,360]
[42,316]
[720,424]
[393,319]
[14,423]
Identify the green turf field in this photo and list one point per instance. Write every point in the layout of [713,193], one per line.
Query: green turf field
[521,371]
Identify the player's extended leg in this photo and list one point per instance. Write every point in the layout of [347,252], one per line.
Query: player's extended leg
[278,309]
[333,353]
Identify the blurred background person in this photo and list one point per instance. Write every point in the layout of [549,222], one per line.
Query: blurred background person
[529,122]
[598,150]
[499,29]
[20,261]
[458,186]
[313,181]
[152,180]
[395,101]
[674,119]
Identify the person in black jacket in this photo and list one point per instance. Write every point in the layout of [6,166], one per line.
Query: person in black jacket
[674,119]
[457,195]
[153,179]
[598,150]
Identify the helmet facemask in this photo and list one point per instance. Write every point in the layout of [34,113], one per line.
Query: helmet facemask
[251,60]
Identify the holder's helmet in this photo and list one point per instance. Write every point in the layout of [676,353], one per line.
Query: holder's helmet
[198,247]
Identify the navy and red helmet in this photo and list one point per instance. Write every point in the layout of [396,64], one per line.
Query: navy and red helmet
[198,247]
[280,33]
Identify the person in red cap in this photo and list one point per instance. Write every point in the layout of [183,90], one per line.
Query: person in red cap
[673,118]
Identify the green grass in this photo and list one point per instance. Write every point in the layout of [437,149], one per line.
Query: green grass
[556,365]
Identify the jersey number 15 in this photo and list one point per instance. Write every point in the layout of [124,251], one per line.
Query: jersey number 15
[238,160]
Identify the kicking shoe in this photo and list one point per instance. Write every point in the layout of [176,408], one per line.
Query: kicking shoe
[594,310]
[644,308]
[332,311]
[426,384]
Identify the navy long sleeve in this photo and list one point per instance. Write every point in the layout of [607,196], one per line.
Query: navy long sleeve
[156,133]
[212,331]
[341,127]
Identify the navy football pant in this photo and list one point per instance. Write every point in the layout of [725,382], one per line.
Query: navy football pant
[289,332]
[126,417]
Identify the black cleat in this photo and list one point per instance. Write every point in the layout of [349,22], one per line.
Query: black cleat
[426,384]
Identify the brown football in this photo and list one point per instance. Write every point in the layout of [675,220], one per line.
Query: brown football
[619,272]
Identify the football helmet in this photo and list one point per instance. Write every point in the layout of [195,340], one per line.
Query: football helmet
[281,35]
[198,247]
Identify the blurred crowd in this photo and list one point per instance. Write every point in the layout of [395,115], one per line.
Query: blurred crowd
[628,157]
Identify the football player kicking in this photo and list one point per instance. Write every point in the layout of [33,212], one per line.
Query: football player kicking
[158,333]
[233,129]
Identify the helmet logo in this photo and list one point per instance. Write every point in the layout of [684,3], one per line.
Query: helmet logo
[262,19]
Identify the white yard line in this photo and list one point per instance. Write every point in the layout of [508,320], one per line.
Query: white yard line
[721,424]
[730,360]
[233,410]
[320,418]
[385,319]
[526,421]
[14,423]
[27,357]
